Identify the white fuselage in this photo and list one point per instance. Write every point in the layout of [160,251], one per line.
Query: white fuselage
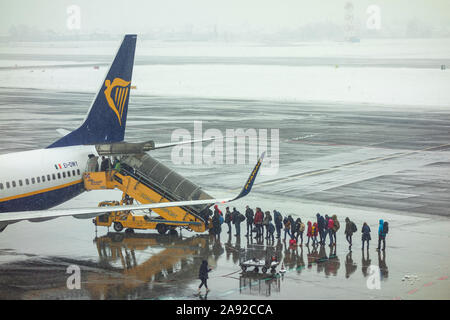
[43,178]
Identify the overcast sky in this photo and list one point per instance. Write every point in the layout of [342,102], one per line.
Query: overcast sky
[138,16]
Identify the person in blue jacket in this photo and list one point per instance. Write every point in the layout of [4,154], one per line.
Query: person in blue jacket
[381,235]
[365,230]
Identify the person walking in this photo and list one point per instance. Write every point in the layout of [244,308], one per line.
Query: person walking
[203,275]
[336,226]
[259,216]
[300,228]
[321,228]
[293,227]
[350,228]
[271,229]
[216,222]
[326,231]
[382,231]
[287,227]
[249,216]
[267,219]
[237,218]
[330,225]
[314,233]
[228,218]
[365,230]
[309,232]
[278,219]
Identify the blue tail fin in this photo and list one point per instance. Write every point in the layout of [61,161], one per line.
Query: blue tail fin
[106,119]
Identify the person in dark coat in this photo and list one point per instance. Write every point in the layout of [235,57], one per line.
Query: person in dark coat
[267,219]
[321,228]
[365,230]
[105,164]
[203,275]
[249,216]
[287,227]
[237,219]
[278,219]
[228,218]
[349,228]
[271,229]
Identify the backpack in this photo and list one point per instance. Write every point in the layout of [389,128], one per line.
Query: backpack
[221,219]
[354,228]
[385,227]
[302,227]
[241,217]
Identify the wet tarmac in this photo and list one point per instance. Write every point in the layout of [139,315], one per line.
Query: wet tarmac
[365,162]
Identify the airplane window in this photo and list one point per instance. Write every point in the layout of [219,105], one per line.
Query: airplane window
[1,186]
[48,177]
[43,178]
[33,180]
[73,173]
[38,179]
[53,176]
[14,184]
[20,182]
[64,174]
[68,173]
[7,185]
[27,181]
[59,175]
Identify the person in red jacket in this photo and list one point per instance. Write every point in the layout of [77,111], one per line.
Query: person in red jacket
[314,232]
[259,216]
[330,230]
[309,232]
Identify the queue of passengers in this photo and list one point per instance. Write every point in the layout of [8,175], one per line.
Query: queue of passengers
[264,226]
[105,165]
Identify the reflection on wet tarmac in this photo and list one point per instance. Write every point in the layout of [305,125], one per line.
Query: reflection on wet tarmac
[170,258]
[154,266]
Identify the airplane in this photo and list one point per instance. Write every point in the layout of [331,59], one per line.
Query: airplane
[32,182]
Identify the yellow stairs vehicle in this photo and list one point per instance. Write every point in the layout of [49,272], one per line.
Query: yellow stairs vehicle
[146,180]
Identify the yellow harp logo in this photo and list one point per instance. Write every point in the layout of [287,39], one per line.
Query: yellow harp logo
[116,100]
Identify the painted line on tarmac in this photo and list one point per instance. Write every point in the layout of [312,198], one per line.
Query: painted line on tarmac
[347,165]
[428,284]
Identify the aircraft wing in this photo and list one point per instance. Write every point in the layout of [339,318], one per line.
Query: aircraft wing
[172,144]
[10,217]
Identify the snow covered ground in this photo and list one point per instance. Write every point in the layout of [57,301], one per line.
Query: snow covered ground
[390,86]
[399,87]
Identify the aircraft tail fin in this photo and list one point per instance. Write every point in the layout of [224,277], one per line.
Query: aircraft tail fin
[106,119]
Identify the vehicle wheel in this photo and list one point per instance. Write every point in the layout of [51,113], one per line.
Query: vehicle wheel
[162,228]
[244,268]
[173,232]
[256,270]
[118,226]
[264,269]
[129,230]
